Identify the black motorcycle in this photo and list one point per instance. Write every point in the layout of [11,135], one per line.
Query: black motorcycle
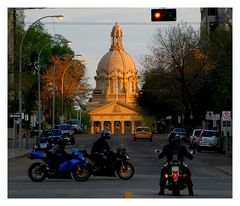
[116,164]
[176,178]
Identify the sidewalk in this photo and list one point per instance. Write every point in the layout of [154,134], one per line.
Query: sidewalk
[17,153]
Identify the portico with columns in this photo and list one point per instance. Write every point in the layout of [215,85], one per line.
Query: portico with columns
[118,117]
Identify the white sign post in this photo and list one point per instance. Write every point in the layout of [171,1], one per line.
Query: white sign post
[226,116]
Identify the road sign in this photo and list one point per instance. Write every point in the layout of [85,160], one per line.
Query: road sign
[226,116]
[168,117]
[209,115]
[15,115]
[216,117]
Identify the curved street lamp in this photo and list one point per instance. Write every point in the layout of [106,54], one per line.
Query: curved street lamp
[20,73]
[39,86]
[74,62]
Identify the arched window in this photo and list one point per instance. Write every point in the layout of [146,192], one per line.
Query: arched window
[117,86]
[103,87]
[131,87]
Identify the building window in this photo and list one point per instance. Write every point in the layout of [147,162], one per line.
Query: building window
[131,87]
[103,87]
[117,86]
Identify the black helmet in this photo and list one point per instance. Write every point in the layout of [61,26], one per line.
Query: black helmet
[106,134]
[173,137]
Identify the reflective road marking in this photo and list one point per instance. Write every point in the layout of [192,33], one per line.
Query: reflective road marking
[128,195]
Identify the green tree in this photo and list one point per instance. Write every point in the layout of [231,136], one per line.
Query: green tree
[186,74]
[173,69]
[217,85]
[36,40]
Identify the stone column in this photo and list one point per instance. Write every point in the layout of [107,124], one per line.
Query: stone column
[122,127]
[102,126]
[112,126]
[92,128]
[132,126]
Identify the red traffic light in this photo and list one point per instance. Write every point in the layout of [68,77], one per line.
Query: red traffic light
[163,14]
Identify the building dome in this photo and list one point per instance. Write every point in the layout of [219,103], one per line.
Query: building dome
[117,78]
[116,58]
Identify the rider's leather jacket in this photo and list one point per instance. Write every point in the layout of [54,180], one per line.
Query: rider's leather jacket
[175,149]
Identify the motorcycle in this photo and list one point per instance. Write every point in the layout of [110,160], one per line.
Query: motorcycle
[118,165]
[73,166]
[176,178]
[45,144]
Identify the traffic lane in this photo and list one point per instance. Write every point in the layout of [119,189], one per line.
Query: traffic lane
[140,186]
[143,184]
[207,167]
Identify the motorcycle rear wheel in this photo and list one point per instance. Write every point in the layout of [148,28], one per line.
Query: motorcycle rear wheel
[81,173]
[125,171]
[37,172]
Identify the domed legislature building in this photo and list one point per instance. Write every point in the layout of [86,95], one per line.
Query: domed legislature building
[113,104]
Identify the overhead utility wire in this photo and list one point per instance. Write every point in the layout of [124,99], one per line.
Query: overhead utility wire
[121,23]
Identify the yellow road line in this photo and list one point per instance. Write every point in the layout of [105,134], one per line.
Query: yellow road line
[128,195]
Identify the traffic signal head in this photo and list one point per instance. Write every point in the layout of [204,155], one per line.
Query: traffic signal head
[163,14]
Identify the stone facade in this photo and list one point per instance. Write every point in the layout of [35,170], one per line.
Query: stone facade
[116,84]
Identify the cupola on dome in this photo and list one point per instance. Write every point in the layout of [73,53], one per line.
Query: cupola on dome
[116,58]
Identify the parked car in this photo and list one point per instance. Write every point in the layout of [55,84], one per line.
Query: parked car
[209,139]
[76,125]
[48,138]
[142,133]
[68,133]
[181,132]
[193,140]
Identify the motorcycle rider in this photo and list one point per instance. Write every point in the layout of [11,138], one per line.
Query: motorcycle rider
[174,147]
[101,151]
[57,154]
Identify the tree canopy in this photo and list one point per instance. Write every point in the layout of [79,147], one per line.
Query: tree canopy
[185,75]
[40,51]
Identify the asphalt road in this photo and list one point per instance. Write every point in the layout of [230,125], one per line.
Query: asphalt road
[209,174]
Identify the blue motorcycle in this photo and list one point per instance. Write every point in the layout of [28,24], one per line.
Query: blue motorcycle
[74,166]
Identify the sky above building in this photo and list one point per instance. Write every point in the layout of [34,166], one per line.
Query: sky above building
[89,29]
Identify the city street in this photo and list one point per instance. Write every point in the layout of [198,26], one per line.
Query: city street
[211,177]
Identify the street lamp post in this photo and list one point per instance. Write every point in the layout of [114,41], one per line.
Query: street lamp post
[62,82]
[39,91]
[39,88]
[20,74]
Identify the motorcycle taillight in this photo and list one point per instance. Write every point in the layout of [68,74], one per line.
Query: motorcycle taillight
[175,176]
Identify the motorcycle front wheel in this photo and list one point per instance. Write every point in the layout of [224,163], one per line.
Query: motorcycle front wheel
[125,171]
[81,173]
[37,172]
